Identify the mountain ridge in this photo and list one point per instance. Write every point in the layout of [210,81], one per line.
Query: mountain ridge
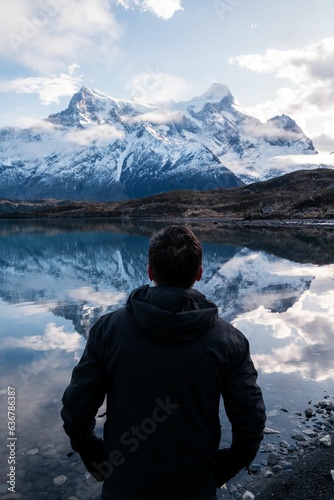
[101,148]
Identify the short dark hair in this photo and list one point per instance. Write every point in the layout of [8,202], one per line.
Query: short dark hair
[175,256]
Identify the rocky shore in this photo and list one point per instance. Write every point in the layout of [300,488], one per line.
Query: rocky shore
[299,466]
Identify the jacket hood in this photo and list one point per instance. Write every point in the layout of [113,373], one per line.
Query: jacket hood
[173,315]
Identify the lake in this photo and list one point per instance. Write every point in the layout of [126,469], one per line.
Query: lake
[58,277]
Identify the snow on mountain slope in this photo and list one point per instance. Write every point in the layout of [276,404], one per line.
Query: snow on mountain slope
[101,148]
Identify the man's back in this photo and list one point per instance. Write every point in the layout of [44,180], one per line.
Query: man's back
[167,359]
[163,362]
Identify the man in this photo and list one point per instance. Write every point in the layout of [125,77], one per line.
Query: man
[163,362]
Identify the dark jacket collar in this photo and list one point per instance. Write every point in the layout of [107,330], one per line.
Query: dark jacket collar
[171,314]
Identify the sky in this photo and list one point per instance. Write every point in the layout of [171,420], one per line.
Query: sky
[275,57]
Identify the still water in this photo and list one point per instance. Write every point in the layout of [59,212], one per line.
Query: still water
[57,278]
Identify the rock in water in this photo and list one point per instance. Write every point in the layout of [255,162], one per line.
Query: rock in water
[326,441]
[248,495]
[59,480]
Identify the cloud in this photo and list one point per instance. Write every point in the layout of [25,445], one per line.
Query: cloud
[270,129]
[48,88]
[164,9]
[154,86]
[314,61]
[45,36]
[158,117]
[94,132]
[310,97]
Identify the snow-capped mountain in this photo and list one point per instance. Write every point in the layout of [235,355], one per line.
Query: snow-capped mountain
[101,148]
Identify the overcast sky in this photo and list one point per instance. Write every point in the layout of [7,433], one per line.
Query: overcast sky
[276,57]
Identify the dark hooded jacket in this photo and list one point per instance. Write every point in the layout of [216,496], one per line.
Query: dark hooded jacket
[164,361]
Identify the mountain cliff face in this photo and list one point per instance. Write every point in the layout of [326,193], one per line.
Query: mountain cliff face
[101,148]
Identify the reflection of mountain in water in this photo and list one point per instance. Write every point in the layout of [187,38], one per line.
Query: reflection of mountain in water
[249,280]
[82,275]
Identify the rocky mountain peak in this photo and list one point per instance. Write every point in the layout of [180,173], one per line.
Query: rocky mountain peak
[104,148]
[216,93]
[285,122]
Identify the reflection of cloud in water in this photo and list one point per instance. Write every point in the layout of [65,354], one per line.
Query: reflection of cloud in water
[54,338]
[40,384]
[25,309]
[307,326]
[92,297]
[315,363]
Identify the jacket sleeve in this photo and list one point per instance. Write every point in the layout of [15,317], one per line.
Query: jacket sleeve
[245,410]
[86,391]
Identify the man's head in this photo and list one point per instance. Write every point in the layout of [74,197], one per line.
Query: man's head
[175,257]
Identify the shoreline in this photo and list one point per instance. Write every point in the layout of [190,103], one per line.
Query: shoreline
[224,221]
[310,478]
[298,466]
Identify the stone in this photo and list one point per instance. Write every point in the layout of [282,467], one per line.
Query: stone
[248,495]
[255,468]
[308,412]
[299,437]
[326,441]
[277,469]
[272,459]
[35,460]
[268,447]
[324,403]
[268,473]
[50,453]
[51,464]
[59,480]
[47,447]
[268,430]
[31,476]
[33,451]
[21,473]
[292,448]
[332,474]
[310,433]
[232,488]
[43,483]
[26,487]
[284,444]
[286,465]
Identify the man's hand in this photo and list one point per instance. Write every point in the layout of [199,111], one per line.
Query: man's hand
[91,451]
[226,465]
